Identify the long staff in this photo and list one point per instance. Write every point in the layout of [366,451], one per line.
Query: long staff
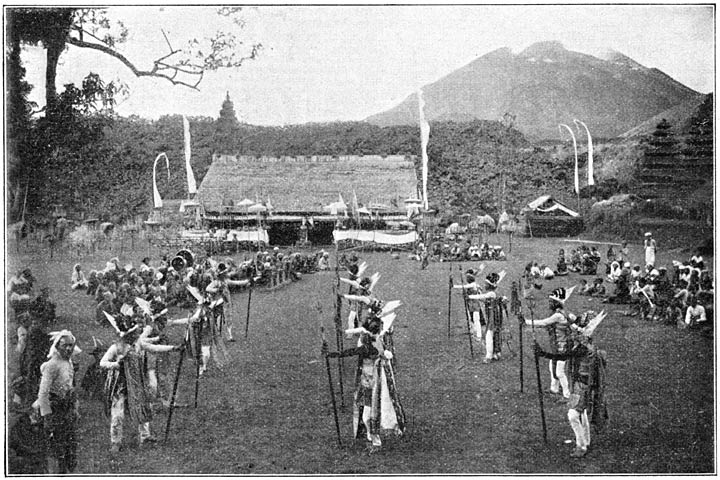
[516,308]
[467,312]
[450,288]
[338,326]
[175,383]
[198,354]
[531,303]
[330,385]
[247,316]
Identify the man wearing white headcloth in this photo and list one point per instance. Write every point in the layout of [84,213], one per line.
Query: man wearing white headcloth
[58,404]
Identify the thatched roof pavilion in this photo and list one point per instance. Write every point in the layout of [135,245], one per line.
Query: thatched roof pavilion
[303,185]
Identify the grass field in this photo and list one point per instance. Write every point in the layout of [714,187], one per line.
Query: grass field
[269,412]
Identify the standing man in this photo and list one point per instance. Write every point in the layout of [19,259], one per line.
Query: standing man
[126,386]
[558,330]
[58,403]
[650,247]
[493,316]
[473,300]
[587,374]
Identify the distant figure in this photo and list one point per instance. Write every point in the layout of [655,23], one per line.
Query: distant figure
[77,279]
[650,247]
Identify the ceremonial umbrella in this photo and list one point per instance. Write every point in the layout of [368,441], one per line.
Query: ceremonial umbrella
[486,223]
[486,220]
[258,208]
[245,203]
[453,229]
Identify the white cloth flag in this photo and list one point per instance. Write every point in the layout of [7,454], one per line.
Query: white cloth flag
[424,138]
[591,179]
[577,176]
[157,201]
[192,188]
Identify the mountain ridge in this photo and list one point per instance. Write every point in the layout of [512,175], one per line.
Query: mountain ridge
[544,85]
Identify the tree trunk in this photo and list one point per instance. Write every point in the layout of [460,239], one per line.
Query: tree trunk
[54,50]
[55,45]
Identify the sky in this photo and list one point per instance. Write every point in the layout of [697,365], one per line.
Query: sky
[347,62]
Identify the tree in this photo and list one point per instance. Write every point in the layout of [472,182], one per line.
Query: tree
[90,28]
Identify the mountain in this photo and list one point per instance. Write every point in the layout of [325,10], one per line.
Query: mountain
[546,85]
[678,116]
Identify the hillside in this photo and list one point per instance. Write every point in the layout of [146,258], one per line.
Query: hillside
[677,115]
[545,85]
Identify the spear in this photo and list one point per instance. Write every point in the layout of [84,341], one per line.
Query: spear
[450,287]
[198,358]
[516,307]
[175,383]
[531,305]
[467,312]
[330,385]
[338,326]
[247,316]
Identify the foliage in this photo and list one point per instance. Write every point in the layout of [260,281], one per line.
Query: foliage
[468,162]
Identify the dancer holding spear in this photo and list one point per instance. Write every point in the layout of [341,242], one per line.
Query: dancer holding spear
[377,407]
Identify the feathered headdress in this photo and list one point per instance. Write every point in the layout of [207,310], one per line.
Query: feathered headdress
[146,308]
[55,339]
[124,328]
[561,294]
[588,329]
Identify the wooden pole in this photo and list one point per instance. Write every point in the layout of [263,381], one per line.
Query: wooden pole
[537,372]
[520,335]
[540,395]
[198,359]
[450,287]
[175,387]
[338,326]
[247,315]
[332,396]
[467,312]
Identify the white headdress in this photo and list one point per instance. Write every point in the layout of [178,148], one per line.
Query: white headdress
[55,338]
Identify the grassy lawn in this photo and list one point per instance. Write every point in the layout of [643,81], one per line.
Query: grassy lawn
[269,412]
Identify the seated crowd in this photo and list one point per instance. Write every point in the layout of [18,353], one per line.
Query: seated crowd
[682,296]
[457,251]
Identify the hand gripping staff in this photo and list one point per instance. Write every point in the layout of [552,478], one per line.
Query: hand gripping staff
[536,348]
[467,311]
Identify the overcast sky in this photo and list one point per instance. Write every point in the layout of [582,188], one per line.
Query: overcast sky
[326,63]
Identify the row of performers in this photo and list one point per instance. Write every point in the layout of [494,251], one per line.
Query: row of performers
[131,380]
[377,409]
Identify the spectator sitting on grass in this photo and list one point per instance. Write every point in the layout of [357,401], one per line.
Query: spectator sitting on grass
[77,279]
[695,314]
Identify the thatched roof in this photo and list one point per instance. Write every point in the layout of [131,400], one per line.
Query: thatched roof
[307,184]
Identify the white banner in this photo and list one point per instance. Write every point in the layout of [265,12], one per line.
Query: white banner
[375,236]
[192,188]
[242,235]
[424,139]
